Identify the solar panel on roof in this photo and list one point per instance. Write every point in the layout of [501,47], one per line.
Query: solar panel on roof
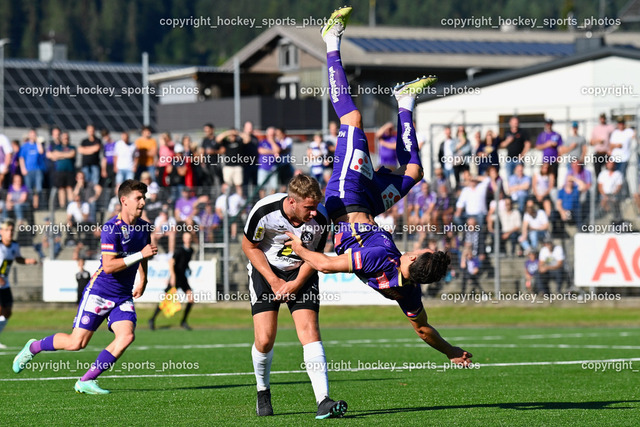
[390,45]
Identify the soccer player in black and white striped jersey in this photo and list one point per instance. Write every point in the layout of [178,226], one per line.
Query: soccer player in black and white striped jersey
[277,275]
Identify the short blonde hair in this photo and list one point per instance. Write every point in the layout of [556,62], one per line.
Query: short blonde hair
[304,186]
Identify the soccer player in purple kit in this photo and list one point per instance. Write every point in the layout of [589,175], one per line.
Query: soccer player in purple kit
[126,248]
[356,193]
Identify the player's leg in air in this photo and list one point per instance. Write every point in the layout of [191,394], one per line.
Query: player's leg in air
[78,339]
[355,194]
[352,153]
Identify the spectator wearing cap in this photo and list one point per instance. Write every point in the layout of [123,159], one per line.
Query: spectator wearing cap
[551,266]
[600,143]
[620,145]
[548,142]
[574,148]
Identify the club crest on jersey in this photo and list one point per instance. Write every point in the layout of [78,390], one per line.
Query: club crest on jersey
[390,196]
[125,231]
[306,237]
[361,163]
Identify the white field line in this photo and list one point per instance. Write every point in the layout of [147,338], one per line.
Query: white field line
[409,342]
[376,368]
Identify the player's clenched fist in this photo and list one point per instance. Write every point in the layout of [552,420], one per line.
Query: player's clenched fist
[149,251]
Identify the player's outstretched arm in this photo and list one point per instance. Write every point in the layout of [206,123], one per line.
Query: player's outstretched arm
[318,261]
[431,336]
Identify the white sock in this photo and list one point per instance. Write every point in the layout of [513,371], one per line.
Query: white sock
[316,365]
[261,367]
[3,322]
[333,43]
[407,102]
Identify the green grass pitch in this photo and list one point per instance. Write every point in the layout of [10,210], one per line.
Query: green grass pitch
[524,376]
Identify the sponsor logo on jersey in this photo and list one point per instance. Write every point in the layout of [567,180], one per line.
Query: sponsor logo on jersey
[99,305]
[357,257]
[107,246]
[259,232]
[337,239]
[383,281]
[390,196]
[361,163]
[406,134]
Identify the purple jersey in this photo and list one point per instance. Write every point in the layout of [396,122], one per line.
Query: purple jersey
[266,161]
[531,266]
[110,151]
[388,156]
[549,154]
[354,185]
[120,239]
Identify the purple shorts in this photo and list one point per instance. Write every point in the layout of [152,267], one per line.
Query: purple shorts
[94,308]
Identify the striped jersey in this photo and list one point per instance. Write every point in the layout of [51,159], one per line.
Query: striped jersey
[267,224]
[7,255]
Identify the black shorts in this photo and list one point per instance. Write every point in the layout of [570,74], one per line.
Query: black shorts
[181,283]
[63,179]
[6,298]
[263,298]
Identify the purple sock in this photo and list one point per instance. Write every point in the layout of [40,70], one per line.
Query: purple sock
[45,344]
[104,361]
[407,143]
[339,91]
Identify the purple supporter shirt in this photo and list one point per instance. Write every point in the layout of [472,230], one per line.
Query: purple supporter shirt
[185,207]
[585,176]
[388,156]
[549,154]
[110,151]
[266,161]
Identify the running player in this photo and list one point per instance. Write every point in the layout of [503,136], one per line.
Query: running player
[276,275]
[178,266]
[109,295]
[356,193]
[9,252]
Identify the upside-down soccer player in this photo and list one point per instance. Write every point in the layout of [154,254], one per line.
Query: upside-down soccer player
[356,193]
[125,243]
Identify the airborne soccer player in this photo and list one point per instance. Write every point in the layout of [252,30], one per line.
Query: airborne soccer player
[356,193]
[126,248]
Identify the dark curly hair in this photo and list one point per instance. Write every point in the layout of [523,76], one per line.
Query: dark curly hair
[429,267]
